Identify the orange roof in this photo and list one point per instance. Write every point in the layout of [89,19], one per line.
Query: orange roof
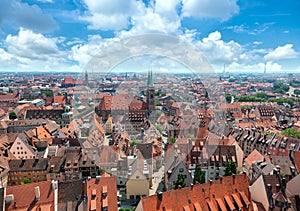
[24,195]
[297,160]
[254,157]
[60,99]
[231,191]
[102,192]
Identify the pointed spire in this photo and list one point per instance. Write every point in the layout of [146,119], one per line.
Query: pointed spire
[150,79]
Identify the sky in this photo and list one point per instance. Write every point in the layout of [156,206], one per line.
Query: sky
[64,35]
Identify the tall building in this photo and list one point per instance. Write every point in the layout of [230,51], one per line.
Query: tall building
[150,94]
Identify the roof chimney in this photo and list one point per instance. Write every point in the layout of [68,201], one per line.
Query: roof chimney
[221,179]
[293,171]
[97,178]
[160,195]
[233,177]
[192,186]
[37,193]
[277,187]
[9,198]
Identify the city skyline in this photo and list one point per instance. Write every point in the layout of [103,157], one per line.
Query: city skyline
[245,36]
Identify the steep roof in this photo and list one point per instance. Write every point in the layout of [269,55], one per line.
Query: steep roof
[254,157]
[46,200]
[102,192]
[28,164]
[231,191]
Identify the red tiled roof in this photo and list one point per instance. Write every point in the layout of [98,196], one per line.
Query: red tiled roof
[102,192]
[231,191]
[297,160]
[68,80]
[254,157]
[24,196]
[59,99]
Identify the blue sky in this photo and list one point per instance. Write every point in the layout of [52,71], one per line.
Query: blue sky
[246,35]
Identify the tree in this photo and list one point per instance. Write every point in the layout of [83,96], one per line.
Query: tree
[228,98]
[172,140]
[230,168]
[199,176]
[206,94]
[290,132]
[180,182]
[26,181]
[12,115]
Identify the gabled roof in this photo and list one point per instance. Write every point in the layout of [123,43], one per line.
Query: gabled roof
[231,191]
[254,157]
[24,196]
[102,192]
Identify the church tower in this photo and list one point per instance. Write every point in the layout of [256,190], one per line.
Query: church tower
[86,78]
[150,94]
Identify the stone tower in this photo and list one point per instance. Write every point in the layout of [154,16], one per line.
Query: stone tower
[150,94]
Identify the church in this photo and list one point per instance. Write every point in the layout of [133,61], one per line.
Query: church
[131,113]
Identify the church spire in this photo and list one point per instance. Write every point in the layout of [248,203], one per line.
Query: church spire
[150,79]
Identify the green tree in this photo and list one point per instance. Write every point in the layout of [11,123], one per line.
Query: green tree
[261,95]
[290,132]
[180,182]
[230,168]
[199,176]
[206,94]
[12,115]
[26,181]
[228,98]
[172,140]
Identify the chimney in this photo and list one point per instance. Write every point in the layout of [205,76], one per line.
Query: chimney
[277,188]
[278,167]
[192,186]
[293,171]
[9,199]
[221,179]
[210,182]
[160,195]
[37,193]
[233,177]
[275,171]
[97,178]
[55,189]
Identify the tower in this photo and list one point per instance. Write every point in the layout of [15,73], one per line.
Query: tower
[265,69]
[86,78]
[150,94]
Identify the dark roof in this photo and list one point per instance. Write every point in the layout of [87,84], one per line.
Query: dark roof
[1,198]
[70,192]
[28,164]
[145,149]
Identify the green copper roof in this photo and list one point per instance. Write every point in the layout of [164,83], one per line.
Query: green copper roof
[150,79]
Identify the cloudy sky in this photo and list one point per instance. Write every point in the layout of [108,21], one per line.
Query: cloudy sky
[52,35]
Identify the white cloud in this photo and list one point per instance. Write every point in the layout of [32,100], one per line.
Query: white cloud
[218,51]
[46,1]
[21,14]
[210,8]
[32,51]
[82,53]
[29,45]
[281,53]
[257,43]
[110,14]
[256,67]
